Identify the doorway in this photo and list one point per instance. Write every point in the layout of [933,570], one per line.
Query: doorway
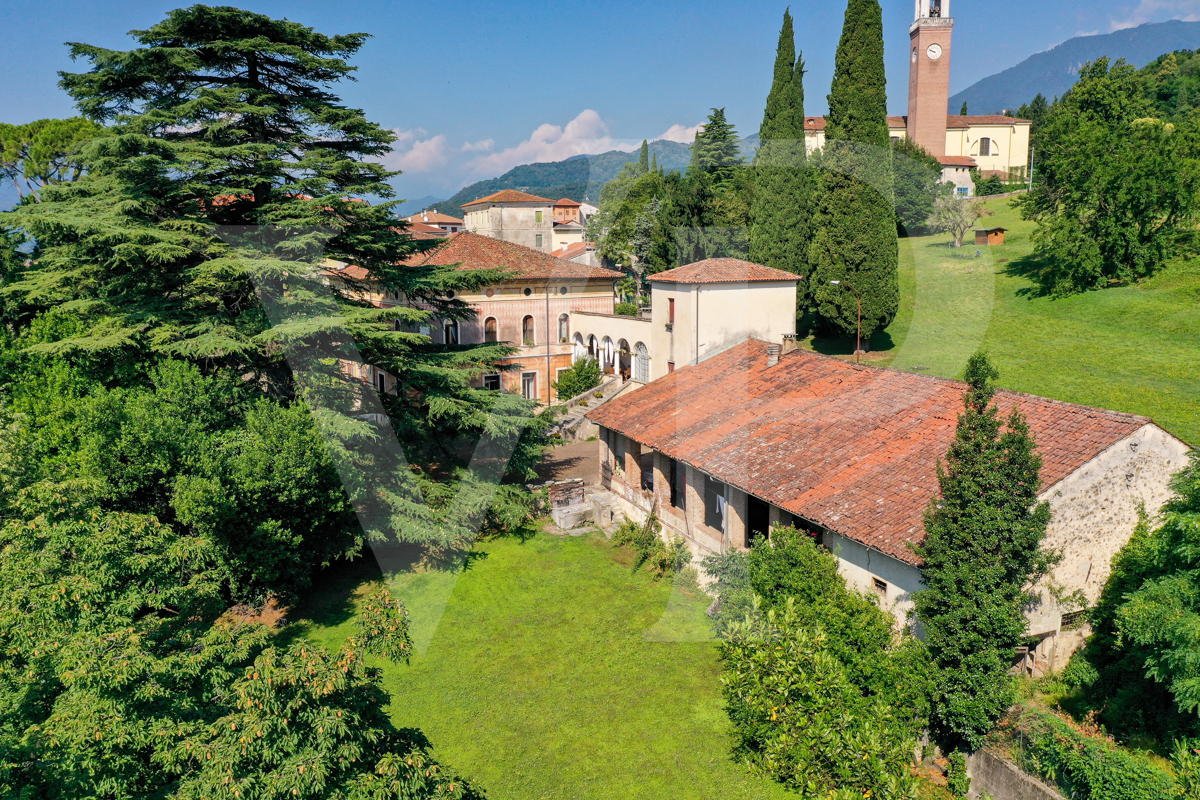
[758,520]
[529,385]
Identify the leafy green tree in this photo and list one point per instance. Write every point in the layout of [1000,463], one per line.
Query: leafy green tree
[223,117]
[854,217]
[797,715]
[716,151]
[779,232]
[918,176]
[1115,187]
[982,553]
[581,376]
[40,153]
[1035,111]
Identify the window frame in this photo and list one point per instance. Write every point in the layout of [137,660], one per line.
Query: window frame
[490,377]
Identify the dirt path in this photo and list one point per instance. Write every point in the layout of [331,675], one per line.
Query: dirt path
[571,460]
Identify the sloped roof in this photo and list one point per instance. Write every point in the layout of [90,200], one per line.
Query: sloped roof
[956,161]
[566,201]
[952,121]
[722,270]
[818,123]
[509,196]
[434,217]
[475,251]
[419,230]
[852,448]
[572,250]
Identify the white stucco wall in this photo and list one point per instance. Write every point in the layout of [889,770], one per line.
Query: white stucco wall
[514,222]
[860,565]
[710,317]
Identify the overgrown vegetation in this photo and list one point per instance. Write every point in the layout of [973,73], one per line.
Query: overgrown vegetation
[982,551]
[800,646]
[662,557]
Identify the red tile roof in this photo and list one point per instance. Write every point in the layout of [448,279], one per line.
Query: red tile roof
[986,119]
[419,230]
[509,196]
[722,270]
[956,161]
[434,217]
[852,448]
[818,123]
[566,201]
[475,251]
[572,250]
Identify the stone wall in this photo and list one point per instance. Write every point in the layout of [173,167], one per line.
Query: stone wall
[1000,779]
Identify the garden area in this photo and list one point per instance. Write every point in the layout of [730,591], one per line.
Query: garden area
[1131,348]
[555,671]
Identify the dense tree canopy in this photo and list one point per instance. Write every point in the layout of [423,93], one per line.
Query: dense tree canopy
[854,239]
[982,552]
[1115,186]
[779,220]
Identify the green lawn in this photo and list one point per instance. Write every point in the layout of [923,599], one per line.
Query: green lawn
[1131,348]
[555,672]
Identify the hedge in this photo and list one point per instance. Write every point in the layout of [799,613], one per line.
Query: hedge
[1084,767]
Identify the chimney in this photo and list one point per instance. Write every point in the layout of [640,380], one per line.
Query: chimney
[772,355]
[791,343]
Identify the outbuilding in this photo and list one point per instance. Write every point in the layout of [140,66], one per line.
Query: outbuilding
[985,236]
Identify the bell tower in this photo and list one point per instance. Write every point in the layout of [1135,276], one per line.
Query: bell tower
[929,75]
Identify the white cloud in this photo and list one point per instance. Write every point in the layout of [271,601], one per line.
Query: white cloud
[1158,11]
[412,153]
[584,135]
[482,146]
[680,133]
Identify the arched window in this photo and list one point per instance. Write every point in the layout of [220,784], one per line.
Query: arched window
[489,329]
[641,363]
[564,327]
[450,330]
[527,330]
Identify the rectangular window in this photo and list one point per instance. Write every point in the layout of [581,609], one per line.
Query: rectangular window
[985,147]
[619,450]
[678,480]
[671,311]
[537,240]
[529,385]
[492,381]
[537,217]
[381,382]
[1073,620]
[714,504]
[962,191]
[880,586]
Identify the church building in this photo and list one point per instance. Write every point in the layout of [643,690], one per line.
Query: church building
[992,144]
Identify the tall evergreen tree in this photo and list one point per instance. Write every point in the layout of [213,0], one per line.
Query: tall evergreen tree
[963,112]
[982,552]
[654,162]
[716,151]
[644,157]
[854,237]
[780,234]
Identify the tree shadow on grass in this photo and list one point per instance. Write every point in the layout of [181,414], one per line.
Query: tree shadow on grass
[828,345]
[1038,270]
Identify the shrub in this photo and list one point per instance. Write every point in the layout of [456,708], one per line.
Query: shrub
[577,378]
[985,187]
[1186,761]
[626,309]
[664,558]
[1085,767]
[957,780]
[797,716]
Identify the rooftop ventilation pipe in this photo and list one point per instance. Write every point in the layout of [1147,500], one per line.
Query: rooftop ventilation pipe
[772,355]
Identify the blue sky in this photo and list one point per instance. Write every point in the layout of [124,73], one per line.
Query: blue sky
[474,88]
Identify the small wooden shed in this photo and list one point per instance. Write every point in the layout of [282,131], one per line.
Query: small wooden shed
[989,236]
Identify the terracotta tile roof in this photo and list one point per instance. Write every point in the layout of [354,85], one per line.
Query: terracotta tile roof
[958,121]
[566,201]
[818,123]
[722,270]
[851,448]
[434,217]
[475,251]
[419,230]
[571,251]
[956,161]
[509,196]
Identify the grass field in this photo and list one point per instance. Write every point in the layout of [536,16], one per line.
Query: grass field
[555,672]
[1130,348]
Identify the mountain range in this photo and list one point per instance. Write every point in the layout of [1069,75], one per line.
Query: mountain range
[1054,71]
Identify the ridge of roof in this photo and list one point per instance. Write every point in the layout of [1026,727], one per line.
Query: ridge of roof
[852,448]
[722,270]
[476,251]
[509,196]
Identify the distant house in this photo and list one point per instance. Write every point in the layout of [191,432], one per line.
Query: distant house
[530,310]
[527,219]
[437,219]
[748,438]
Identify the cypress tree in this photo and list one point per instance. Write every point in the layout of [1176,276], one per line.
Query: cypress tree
[780,234]
[644,158]
[982,548]
[854,222]
[654,162]
[964,109]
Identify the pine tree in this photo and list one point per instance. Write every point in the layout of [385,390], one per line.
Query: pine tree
[644,158]
[963,113]
[854,239]
[716,150]
[780,235]
[982,551]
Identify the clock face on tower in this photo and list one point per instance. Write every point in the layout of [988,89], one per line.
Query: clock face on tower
[934,51]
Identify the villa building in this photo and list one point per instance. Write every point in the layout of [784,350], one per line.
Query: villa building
[526,219]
